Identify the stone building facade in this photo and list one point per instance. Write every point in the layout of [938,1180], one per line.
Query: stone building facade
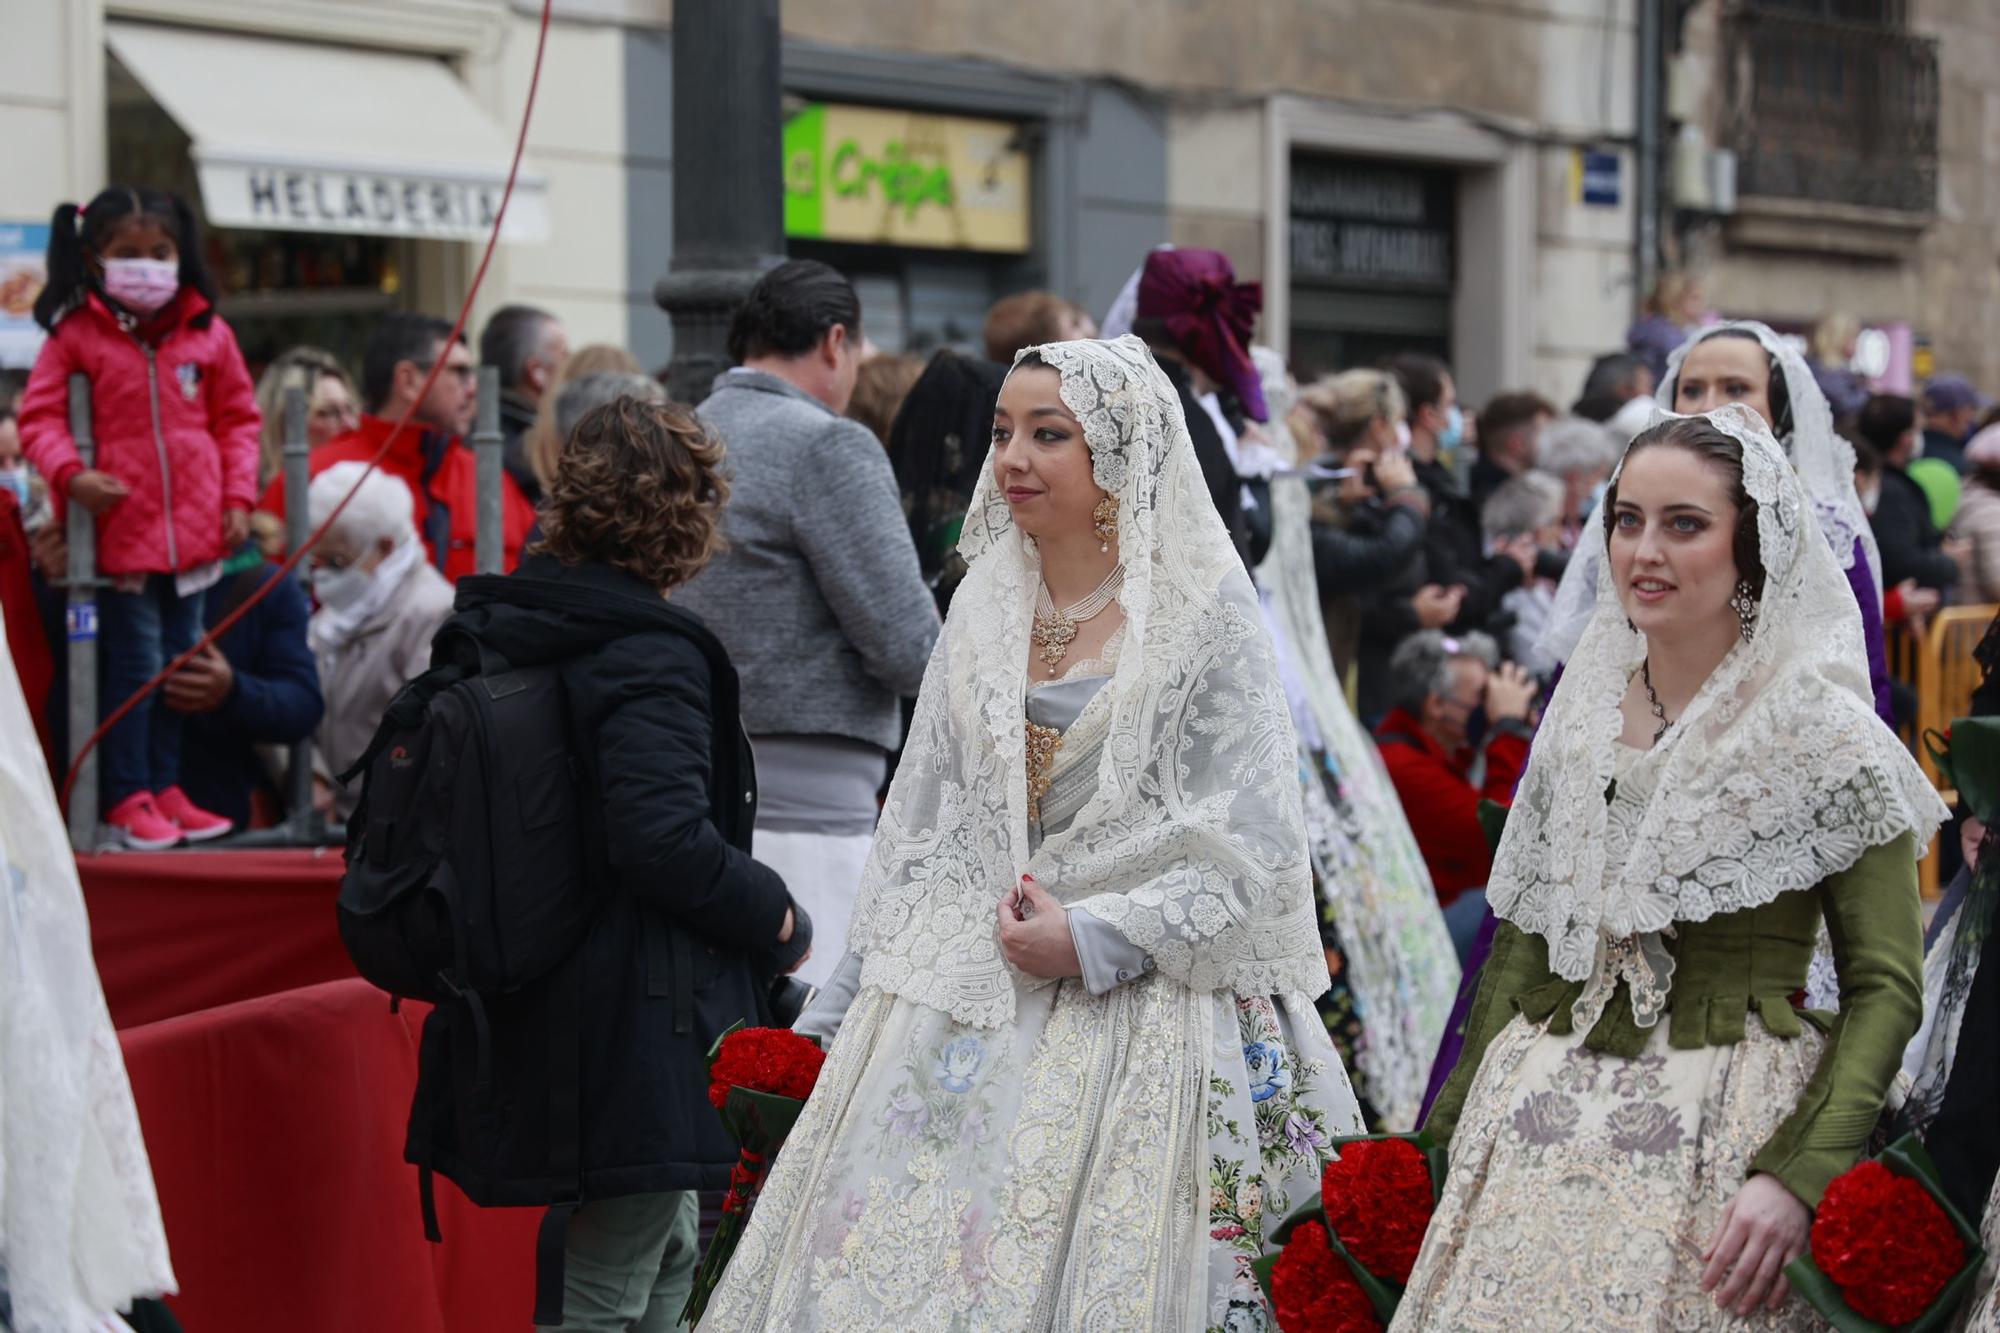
[1456,174]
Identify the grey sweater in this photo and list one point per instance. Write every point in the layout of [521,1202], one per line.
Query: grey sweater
[818,597]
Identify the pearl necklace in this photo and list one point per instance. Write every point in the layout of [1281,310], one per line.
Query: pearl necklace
[1054,631]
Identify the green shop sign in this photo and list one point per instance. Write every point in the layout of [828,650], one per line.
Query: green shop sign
[870,175]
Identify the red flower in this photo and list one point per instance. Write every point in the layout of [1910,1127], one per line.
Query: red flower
[1377,1199]
[1886,1244]
[775,1060]
[1312,1291]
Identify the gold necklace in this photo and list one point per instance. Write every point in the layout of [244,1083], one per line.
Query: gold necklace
[1054,631]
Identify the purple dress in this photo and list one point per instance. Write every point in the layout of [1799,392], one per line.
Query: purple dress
[1862,581]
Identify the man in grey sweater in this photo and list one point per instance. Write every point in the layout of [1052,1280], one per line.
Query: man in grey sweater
[818,597]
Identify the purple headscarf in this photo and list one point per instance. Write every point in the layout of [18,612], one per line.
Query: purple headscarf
[1210,316]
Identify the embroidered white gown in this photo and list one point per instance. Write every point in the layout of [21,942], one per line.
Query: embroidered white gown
[1108,1161]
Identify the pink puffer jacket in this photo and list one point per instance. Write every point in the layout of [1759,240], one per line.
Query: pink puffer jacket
[175,416]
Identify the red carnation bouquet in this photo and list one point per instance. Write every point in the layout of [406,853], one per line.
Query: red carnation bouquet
[1888,1251]
[1347,1254]
[759,1079]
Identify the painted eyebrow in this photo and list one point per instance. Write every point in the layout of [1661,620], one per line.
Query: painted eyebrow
[1055,412]
[1679,507]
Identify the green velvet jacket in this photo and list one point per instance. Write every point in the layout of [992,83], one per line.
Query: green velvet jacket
[1753,961]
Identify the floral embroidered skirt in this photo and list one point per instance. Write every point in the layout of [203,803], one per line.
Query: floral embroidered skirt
[1982,1313]
[1584,1187]
[1105,1161]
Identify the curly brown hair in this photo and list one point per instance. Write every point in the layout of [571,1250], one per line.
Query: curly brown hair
[637,486]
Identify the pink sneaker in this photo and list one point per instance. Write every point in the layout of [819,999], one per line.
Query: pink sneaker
[197,824]
[136,822]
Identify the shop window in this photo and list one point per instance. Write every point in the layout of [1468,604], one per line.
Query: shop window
[1373,259]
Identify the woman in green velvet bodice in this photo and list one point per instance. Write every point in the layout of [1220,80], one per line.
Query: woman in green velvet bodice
[1642,1121]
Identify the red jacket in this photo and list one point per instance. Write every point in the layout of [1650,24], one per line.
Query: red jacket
[1441,802]
[176,420]
[25,641]
[442,475]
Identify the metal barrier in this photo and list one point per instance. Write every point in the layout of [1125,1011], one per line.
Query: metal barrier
[82,584]
[489,552]
[303,825]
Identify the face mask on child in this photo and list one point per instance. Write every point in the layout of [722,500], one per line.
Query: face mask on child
[338,589]
[15,479]
[142,286]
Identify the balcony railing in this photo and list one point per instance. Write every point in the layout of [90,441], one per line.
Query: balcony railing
[1833,112]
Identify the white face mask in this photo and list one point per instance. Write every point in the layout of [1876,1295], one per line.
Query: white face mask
[15,479]
[142,286]
[338,589]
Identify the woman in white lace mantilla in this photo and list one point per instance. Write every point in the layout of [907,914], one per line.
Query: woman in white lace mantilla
[1642,1121]
[1077,1072]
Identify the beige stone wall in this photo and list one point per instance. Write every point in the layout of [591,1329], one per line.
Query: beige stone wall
[51,105]
[1945,281]
[578,142]
[1957,287]
[1483,55]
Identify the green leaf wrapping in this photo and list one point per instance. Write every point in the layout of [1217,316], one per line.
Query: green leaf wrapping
[1382,1294]
[1905,1157]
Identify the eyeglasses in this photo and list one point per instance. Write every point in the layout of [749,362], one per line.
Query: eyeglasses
[463,374]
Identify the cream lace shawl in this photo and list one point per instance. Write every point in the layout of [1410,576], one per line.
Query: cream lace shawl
[1777,775]
[80,1230]
[1193,845]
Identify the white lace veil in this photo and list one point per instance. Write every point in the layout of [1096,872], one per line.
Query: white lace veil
[1777,775]
[1823,460]
[80,1230]
[1400,963]
[1193,845]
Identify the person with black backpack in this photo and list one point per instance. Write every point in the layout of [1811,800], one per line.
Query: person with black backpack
[552,846]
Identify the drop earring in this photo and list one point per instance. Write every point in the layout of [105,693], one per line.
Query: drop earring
[1744,603]
[1104,522]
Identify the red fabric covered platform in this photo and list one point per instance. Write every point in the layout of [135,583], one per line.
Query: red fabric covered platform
[175,932]
[275,1127]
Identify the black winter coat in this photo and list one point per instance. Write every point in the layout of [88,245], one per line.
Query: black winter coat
[1911,545]
[686,945]
[1453,553]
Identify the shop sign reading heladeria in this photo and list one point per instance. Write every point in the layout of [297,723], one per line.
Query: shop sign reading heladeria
[332,198]
[877,176]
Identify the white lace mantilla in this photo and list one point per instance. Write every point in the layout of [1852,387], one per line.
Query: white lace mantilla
[80,1229]
[1193,845]
[1823,459]
[1401,968]
[1776,776]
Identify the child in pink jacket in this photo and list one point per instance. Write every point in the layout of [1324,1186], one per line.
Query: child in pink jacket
[130,303]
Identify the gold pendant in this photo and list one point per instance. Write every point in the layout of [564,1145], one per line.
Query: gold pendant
[1043,742]
[1052,637]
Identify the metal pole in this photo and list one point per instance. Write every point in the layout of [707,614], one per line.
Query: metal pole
[489,553]
[304,824]
[82,620]
[1646,175]
[729,211]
